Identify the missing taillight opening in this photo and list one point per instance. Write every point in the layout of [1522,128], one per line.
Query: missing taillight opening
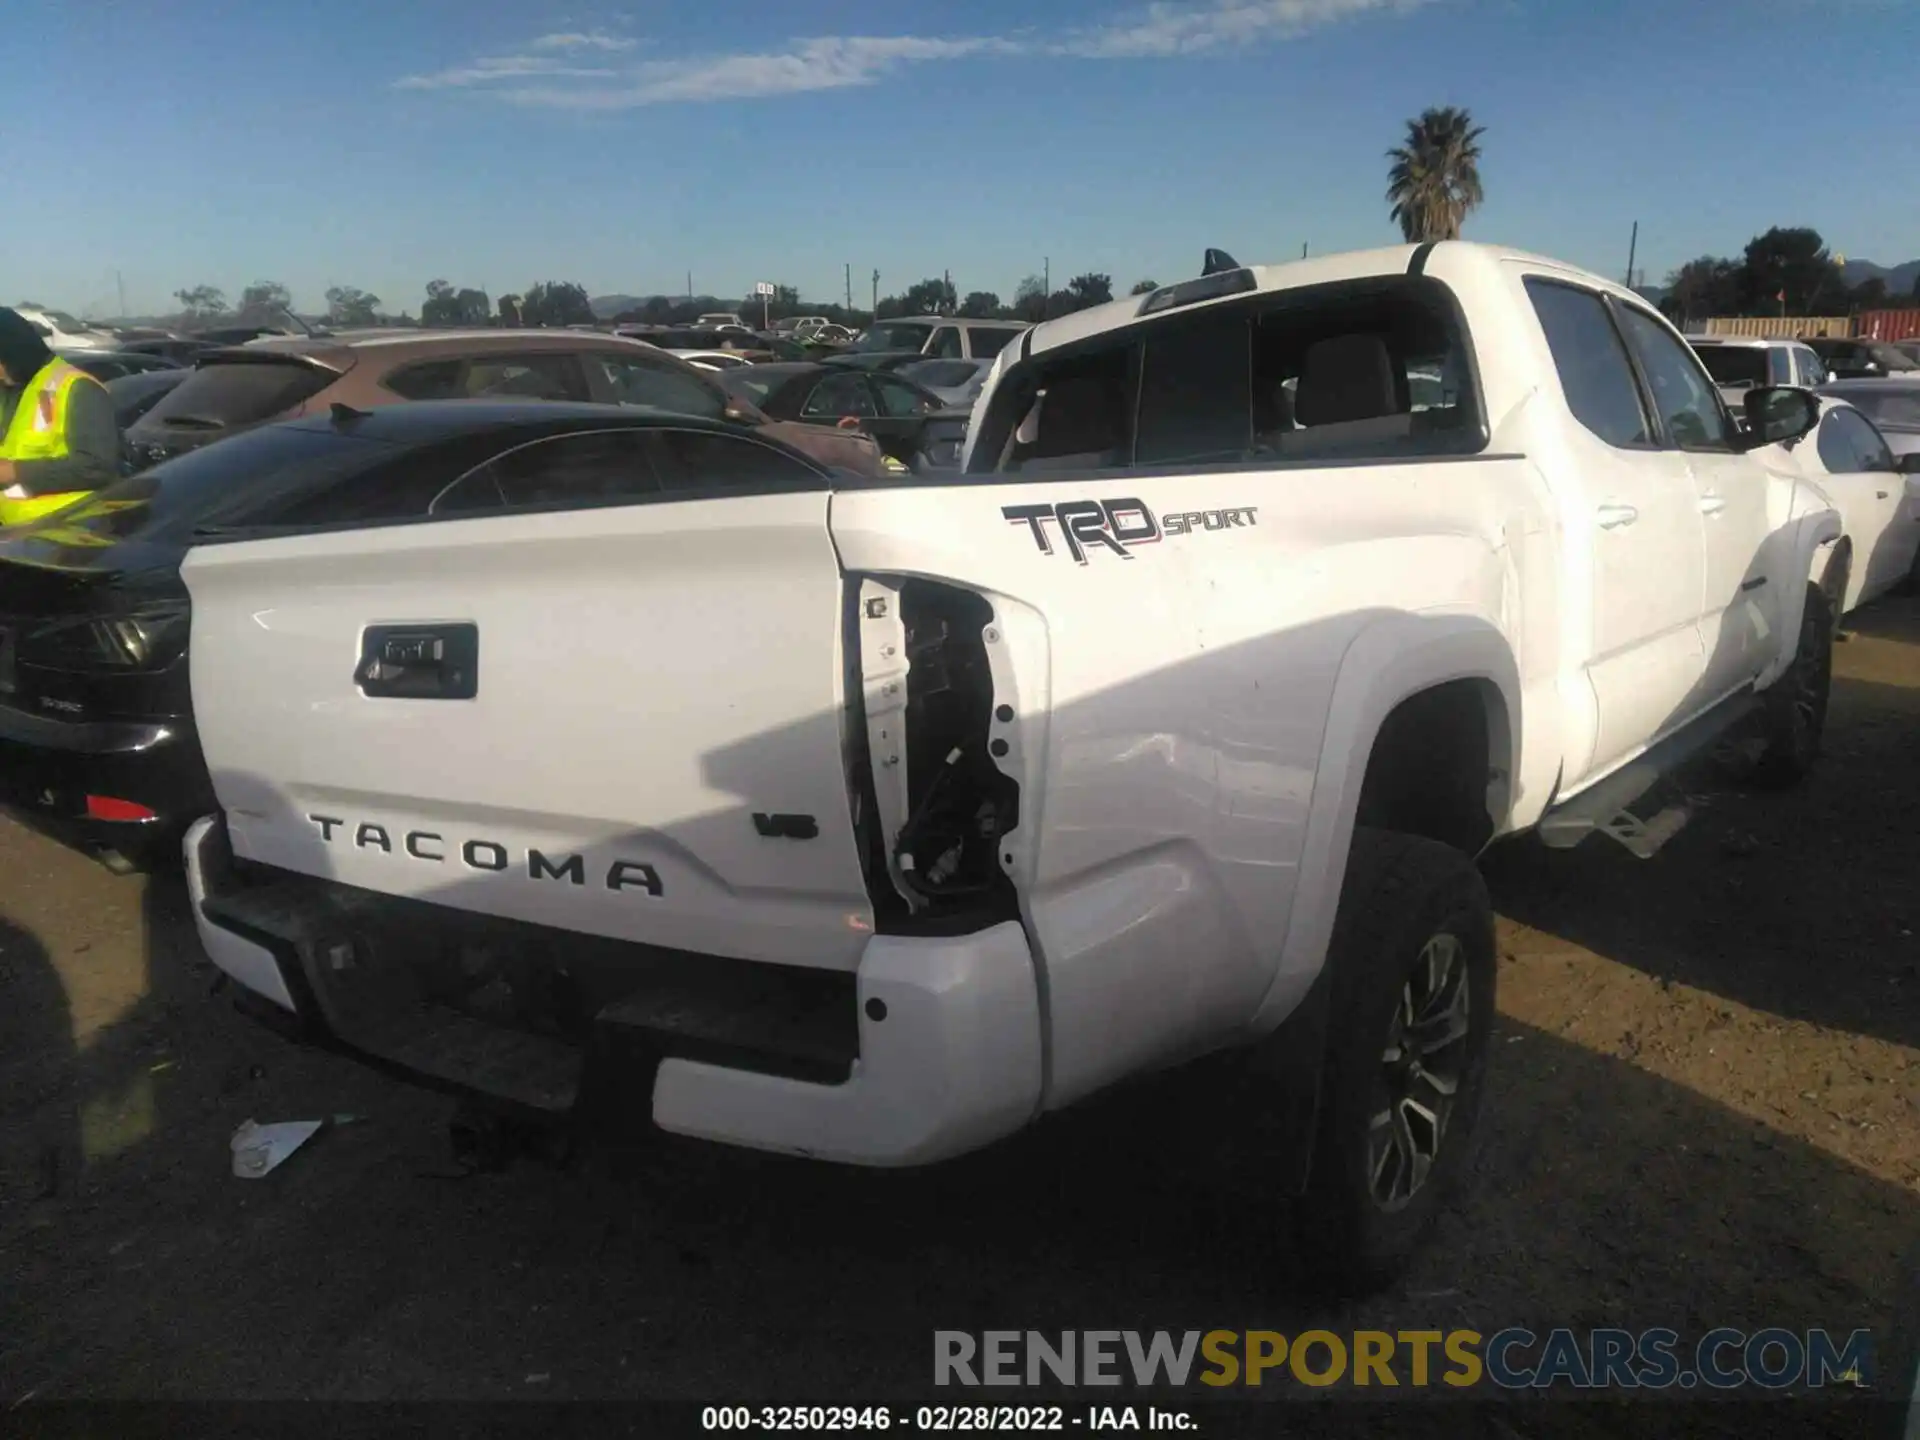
[959,803]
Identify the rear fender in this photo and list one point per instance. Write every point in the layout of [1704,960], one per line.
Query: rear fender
[1391,660]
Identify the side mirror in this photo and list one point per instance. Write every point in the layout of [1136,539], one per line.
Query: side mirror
[1777,414]
[739,414]
[1908,464]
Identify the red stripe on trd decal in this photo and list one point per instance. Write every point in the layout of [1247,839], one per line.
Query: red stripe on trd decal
[105,807]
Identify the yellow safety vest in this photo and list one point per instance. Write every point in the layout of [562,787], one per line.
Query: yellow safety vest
[38,431]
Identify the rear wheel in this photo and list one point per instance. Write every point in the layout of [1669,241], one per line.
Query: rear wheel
[1794,709]
[1412,963]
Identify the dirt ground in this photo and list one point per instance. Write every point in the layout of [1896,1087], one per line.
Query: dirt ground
[1705,1112]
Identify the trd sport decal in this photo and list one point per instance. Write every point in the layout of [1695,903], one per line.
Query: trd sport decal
[1116,525]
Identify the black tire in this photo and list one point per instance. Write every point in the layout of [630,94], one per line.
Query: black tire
[1793,716]
[1402,897]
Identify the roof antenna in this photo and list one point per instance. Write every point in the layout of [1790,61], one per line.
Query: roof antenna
[1218,261]
[343,412]
[305,328]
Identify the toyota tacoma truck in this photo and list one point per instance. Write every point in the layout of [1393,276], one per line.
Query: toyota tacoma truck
[873,821]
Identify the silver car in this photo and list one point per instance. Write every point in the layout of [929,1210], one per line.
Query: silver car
[1892,404]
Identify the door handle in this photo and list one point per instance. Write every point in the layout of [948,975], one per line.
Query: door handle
[1879,494]
[1711,504]
[419,662]
[1612,517]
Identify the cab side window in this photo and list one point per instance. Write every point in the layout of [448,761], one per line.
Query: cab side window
[1591,360]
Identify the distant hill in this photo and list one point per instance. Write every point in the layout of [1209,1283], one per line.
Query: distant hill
[1899,279]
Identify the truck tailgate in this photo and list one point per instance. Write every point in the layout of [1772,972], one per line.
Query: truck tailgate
[620,721]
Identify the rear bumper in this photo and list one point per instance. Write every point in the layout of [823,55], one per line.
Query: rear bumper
[49,767]
[948,1059]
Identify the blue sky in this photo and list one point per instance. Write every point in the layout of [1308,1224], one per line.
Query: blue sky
[384,144]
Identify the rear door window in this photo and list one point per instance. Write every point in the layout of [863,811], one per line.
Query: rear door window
[1592,363]
[606,467]
[946,343]
[838,396]
[1849,445]
[901,400]
[229,394]
[689,462]
[986,341]
[500,377]
[654,386]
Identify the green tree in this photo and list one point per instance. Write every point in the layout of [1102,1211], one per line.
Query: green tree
[1144,287]
[510,311]
[980,305]
[931,297]
[1791,267]
[1030,299]
[202,302]
[1710,285]
[448,306]
[1434,181]
[265,300]
[1090,289]
[350,305]
[556,303]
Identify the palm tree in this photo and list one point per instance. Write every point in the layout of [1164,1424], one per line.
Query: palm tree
[1435,179]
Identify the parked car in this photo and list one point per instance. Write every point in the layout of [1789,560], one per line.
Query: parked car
[1738,363]
[135,394]
[939,336]
[721,320]
[956,382]
[1909,348]
[97,741]
[173,347]
[66,333]
[1892,404]
[1876,491]
[1862,359]
[880,820]
[234,389]
[106,365]
[912,425]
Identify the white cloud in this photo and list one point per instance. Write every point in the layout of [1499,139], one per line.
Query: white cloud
[583,40]
[1160,31]
[1164,30]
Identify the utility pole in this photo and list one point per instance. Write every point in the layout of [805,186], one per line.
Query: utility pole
[1046,273]
[946,279]
[121,286]
[1633,247]
[1303,249]
[849,285]
[689,287]
[876,294]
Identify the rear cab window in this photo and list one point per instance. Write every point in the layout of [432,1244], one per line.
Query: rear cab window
[1368,368]
[986,341]
[223,394]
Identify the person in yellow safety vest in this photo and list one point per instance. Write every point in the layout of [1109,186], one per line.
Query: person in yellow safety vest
[58,438]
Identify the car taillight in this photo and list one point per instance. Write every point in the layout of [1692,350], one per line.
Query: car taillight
[150,638]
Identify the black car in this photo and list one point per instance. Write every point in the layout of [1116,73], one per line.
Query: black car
[170,347]
[97,742]
[113,364]
[1862,359]
[134,395]
[911,425]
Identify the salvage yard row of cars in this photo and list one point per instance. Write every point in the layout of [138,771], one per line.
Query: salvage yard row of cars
[589,703]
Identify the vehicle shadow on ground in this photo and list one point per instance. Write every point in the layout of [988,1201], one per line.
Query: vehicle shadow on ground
[1729,906]
[1600,1195]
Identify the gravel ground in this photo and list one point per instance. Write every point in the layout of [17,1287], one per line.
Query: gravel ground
[1705,1111]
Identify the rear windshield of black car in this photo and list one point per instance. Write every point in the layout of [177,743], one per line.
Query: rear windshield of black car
[235,482]
[1735,364]
[227,394]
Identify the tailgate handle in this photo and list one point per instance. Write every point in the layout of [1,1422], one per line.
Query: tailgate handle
[419,662]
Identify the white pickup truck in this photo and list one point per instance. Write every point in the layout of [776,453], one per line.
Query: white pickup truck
[874,821]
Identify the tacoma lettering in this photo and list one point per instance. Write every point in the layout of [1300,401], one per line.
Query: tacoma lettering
[490,856]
